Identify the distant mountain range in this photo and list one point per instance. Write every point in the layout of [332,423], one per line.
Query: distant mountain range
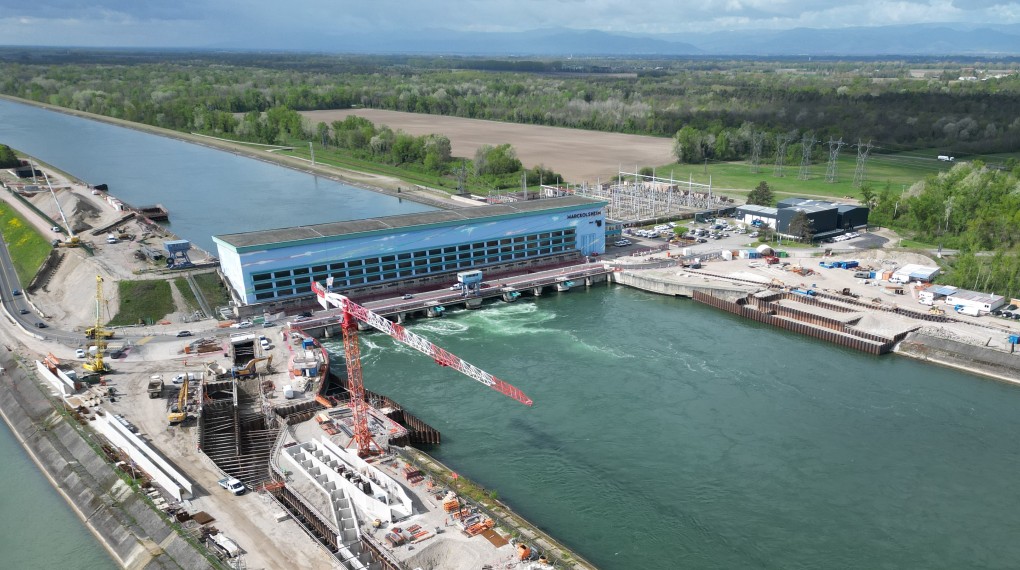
[909,40]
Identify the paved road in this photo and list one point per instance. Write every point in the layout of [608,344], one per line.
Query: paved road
[17,305]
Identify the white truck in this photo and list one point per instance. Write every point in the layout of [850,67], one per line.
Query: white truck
[233,485]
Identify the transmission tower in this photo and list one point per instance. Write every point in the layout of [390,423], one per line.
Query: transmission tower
[756,142]
[834,146]
[862,157]
[461,179]
[807,143]
[781,142]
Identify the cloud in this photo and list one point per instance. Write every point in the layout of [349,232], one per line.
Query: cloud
[253,23]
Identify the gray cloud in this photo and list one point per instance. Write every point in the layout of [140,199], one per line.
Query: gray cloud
[248,22]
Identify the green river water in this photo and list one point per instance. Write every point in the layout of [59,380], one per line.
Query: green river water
[666,434]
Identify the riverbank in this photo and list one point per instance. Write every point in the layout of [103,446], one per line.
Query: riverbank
[120,518]
[973,347]
[375,183]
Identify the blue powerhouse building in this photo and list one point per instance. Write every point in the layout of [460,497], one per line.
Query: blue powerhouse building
[376,253]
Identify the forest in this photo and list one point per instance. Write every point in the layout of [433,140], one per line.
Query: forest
[713,109]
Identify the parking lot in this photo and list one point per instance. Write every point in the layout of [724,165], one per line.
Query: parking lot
[731,236]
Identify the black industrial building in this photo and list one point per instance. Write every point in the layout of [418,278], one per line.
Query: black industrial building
[827,218]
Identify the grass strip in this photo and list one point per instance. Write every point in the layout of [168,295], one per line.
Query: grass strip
[184,288]
[143,302]
[212,289]
[27,247]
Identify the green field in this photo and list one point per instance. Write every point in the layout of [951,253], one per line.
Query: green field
[143,302]
[28,248]
[735,178]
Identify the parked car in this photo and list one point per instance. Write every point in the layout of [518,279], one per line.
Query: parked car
[184,333]
[306,314]
[1002,311]
[80,353]
[55,229]
[241,325]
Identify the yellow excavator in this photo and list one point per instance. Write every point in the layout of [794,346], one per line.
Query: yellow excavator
[95,361]
[179,411]
[249,369]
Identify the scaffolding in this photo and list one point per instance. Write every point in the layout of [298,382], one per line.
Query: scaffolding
[637,198]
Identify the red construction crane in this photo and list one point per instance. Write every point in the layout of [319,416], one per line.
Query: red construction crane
[352,313]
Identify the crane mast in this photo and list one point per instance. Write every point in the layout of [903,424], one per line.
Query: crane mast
[352,314]
[96,363]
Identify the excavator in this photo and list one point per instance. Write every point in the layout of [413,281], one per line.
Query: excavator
[249,369]
[179,411]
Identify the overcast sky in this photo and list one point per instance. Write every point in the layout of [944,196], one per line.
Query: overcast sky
[253,23]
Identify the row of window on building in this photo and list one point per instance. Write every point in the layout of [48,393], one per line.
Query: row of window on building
[358,272]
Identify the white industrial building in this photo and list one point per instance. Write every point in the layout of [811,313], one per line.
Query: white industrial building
[914,272]
[984,302]
[750,213]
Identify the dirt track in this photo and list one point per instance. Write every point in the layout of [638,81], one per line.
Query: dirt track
[580,156]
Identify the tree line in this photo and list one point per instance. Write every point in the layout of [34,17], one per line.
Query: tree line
[714,106]
[971,208]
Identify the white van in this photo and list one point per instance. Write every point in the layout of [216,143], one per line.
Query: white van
[969,311]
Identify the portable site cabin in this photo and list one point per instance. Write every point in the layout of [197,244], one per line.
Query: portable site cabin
[935,293]
[914,272]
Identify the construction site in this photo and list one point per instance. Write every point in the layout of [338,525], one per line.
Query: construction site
[314,452]
[263,408]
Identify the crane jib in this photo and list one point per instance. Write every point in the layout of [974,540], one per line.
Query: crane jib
[440,356]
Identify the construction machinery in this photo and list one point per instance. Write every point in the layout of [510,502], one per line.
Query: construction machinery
[352,314]
[249,369]
[92,332]
[179,410]
[72,240]
[95,361]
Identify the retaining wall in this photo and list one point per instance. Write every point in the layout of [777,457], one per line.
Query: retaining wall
[652,284]
[974,359]
[836,337]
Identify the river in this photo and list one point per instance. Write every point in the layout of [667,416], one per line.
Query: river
[666,434]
